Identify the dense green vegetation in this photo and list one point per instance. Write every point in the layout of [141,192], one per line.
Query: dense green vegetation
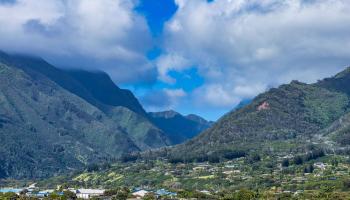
[53,121]
[313,175]
[289,118]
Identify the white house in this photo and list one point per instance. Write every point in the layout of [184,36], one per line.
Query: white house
[88,193]
[320,165]
[140,193]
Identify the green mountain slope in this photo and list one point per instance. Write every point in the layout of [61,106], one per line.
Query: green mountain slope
[338,134]
[97,89]
[140,129]
[177,127]
[289,116]
[45,129]
[52,120]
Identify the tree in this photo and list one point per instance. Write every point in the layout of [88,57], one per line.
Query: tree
[253,158]
[9,196]
[54,195]
[242,194]
[285,163]
[118,194]
[93,167]
[64,186]
[309,168]
[69,195]
[150,196]
[298,160]
[346,184]
[326,192]
[111,192]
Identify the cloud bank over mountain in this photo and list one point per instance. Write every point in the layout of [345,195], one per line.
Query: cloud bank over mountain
[108,34]
[238,48]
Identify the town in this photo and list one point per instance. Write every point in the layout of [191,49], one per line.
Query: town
[32,192]
[287,176]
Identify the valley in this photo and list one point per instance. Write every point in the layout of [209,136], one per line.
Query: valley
[290,142]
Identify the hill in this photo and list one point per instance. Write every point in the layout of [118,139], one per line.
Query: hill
[282,120]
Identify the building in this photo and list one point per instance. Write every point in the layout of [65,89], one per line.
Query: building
[140,193]
[88,193]
[163,192]
[320,165]
[205,192]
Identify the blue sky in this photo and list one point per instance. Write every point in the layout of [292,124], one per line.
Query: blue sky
[156,13]
[197,56]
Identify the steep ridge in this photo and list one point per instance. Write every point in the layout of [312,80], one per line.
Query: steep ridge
[47,130]
[102,88]
[290,114]
[179,128]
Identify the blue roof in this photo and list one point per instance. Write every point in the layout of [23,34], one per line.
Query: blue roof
[10,190]
[163,192]
[40,195]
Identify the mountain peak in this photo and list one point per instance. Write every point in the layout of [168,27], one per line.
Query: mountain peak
[179,127]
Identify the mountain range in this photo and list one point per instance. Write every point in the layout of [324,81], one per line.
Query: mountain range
[54,120]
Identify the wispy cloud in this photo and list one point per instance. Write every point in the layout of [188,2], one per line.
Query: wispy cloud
[164,99]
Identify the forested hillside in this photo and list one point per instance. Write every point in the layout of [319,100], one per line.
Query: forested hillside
[53,120]
[284,119]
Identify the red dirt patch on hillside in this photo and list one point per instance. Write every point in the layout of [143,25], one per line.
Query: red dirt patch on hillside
[264,106]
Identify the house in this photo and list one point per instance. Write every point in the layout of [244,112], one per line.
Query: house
[199,168]
[31,187]
[140,193]
[163,192]
[44,193]
[205,192]
[320,165]
[88,193]
[227,172]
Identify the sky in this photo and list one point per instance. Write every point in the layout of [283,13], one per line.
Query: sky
[192,56]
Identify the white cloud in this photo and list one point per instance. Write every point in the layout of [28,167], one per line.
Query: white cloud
[214,95]
[165,99]
[225,95]
[175,93]
[168,63]
[243,47]
[105,34]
